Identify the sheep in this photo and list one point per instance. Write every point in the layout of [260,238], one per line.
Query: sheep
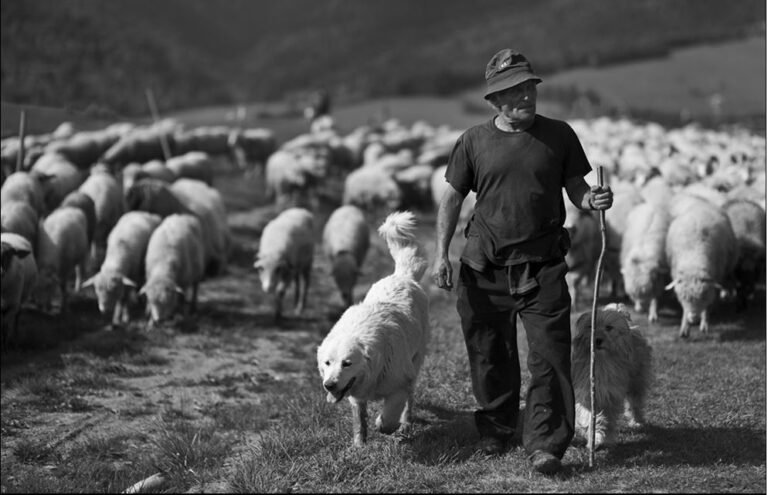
[83,148]
[141,145]
[154,196]
[20,218]
[26,187]
[748,222]
[346,238]
[373,190]
[414,183]
[206,203]
[192,165]
[64,177]
[79,199]
[19,276]
[158,169]
[285,255]
[292,174]
[252,145]
[105,191]
[173,265]
[123,264]
[701,250]
[62,247]
[626,196]
[643,257]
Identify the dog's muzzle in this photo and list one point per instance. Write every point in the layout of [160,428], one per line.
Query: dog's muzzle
[336,395]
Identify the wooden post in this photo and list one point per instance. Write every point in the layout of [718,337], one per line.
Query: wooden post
[156,119]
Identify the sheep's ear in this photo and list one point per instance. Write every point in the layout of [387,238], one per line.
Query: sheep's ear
[127,281]
[178,289]
[88,282]
[143,290]
[257,265]
[670,285]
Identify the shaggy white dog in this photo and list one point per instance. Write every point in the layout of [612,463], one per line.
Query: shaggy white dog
[377,347]
[622,373]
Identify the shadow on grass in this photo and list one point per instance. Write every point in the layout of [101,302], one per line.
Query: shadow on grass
[447,436]
[677,446]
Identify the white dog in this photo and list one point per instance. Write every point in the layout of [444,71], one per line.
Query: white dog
[377,347]
[622,373]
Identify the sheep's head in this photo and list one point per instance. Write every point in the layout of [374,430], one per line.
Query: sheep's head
[109,288]
[274,274]
[7,253]
[163,297]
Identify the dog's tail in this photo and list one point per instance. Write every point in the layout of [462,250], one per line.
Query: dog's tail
[399,230]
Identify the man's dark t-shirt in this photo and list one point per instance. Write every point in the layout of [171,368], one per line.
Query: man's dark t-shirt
[519,179]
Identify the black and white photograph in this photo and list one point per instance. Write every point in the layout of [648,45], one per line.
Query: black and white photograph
[402,246]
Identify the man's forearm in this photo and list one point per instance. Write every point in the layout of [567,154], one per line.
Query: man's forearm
[447,218]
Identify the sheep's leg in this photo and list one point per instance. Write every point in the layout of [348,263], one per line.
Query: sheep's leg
[389,420]
[193,302]
[78,276]
[117,313]
[64,297]
[405,416]
[359,421]
[304,279]
[704,324]
[279,304]
[684,327]
[653,311]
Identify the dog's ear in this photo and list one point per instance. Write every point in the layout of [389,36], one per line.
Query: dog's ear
[584,321]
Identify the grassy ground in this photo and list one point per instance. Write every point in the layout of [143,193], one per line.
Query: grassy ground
[229,401]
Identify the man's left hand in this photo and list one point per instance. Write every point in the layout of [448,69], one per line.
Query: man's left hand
[600,197]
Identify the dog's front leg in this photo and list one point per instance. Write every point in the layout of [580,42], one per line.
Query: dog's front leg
[389,420]
[359,421]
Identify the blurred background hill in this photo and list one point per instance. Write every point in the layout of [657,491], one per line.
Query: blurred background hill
[98,56]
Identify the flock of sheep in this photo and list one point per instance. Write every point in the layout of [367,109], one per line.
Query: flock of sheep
[132,211]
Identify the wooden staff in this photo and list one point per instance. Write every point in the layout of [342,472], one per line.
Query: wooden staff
[598,273]
[156,118]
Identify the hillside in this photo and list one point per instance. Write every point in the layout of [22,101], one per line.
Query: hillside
[99,56]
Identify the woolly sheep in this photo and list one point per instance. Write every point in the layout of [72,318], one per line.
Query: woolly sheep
[414,183]
[291,176]
[62,248]
[19,276]
[158,169]
[286,251]
[153,196]
[625,197]
[373,190]
[252,145]
[748,222]
[83,148]
[123,264]
[64,177]
[701,250]
[206,203]
[346,238]
[26,187]
[193,165]
[79,199]
[105,191]
[643,257]
[173,265]
[20,218]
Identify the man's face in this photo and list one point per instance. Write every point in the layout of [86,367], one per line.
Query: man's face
[517,103]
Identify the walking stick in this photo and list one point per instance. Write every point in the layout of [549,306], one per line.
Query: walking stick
[592,337]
